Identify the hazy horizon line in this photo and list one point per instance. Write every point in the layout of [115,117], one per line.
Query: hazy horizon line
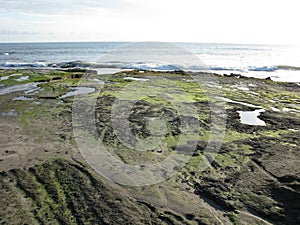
[187,42]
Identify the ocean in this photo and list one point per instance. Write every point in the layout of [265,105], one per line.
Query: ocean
[280,63]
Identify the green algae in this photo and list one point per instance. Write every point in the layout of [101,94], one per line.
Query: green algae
[228,181]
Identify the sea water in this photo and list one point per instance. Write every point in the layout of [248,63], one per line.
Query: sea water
[280,63]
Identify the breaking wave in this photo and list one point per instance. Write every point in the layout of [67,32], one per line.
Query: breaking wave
[155,66]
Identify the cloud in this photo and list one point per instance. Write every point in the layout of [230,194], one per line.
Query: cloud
[17,32]
[159,20]
[49,7]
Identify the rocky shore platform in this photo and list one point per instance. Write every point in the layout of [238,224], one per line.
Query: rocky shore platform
[254,177]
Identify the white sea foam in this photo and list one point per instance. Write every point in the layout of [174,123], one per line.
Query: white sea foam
[153,66]
[135,79]
[264,68]
[24,64]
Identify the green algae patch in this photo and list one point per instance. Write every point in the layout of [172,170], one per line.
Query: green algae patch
[14,77]
[56,193]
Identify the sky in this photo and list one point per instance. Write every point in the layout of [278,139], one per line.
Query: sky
[207,21]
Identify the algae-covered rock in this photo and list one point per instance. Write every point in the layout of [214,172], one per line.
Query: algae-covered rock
[66,192]
[253,179]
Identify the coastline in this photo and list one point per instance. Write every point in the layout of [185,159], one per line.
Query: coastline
[281,63]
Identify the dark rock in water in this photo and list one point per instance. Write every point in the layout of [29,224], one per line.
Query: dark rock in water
[227,75]
[232,75]
[76,70]
[80,70]
[52,65]
[79,64]
[181,72]
[67,64]
[235,75]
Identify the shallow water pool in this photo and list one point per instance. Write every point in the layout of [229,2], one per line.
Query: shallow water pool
[79,91]
[23,98]
[21,87]
[251,117]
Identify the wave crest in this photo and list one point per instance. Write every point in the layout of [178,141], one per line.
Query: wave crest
[156,66]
